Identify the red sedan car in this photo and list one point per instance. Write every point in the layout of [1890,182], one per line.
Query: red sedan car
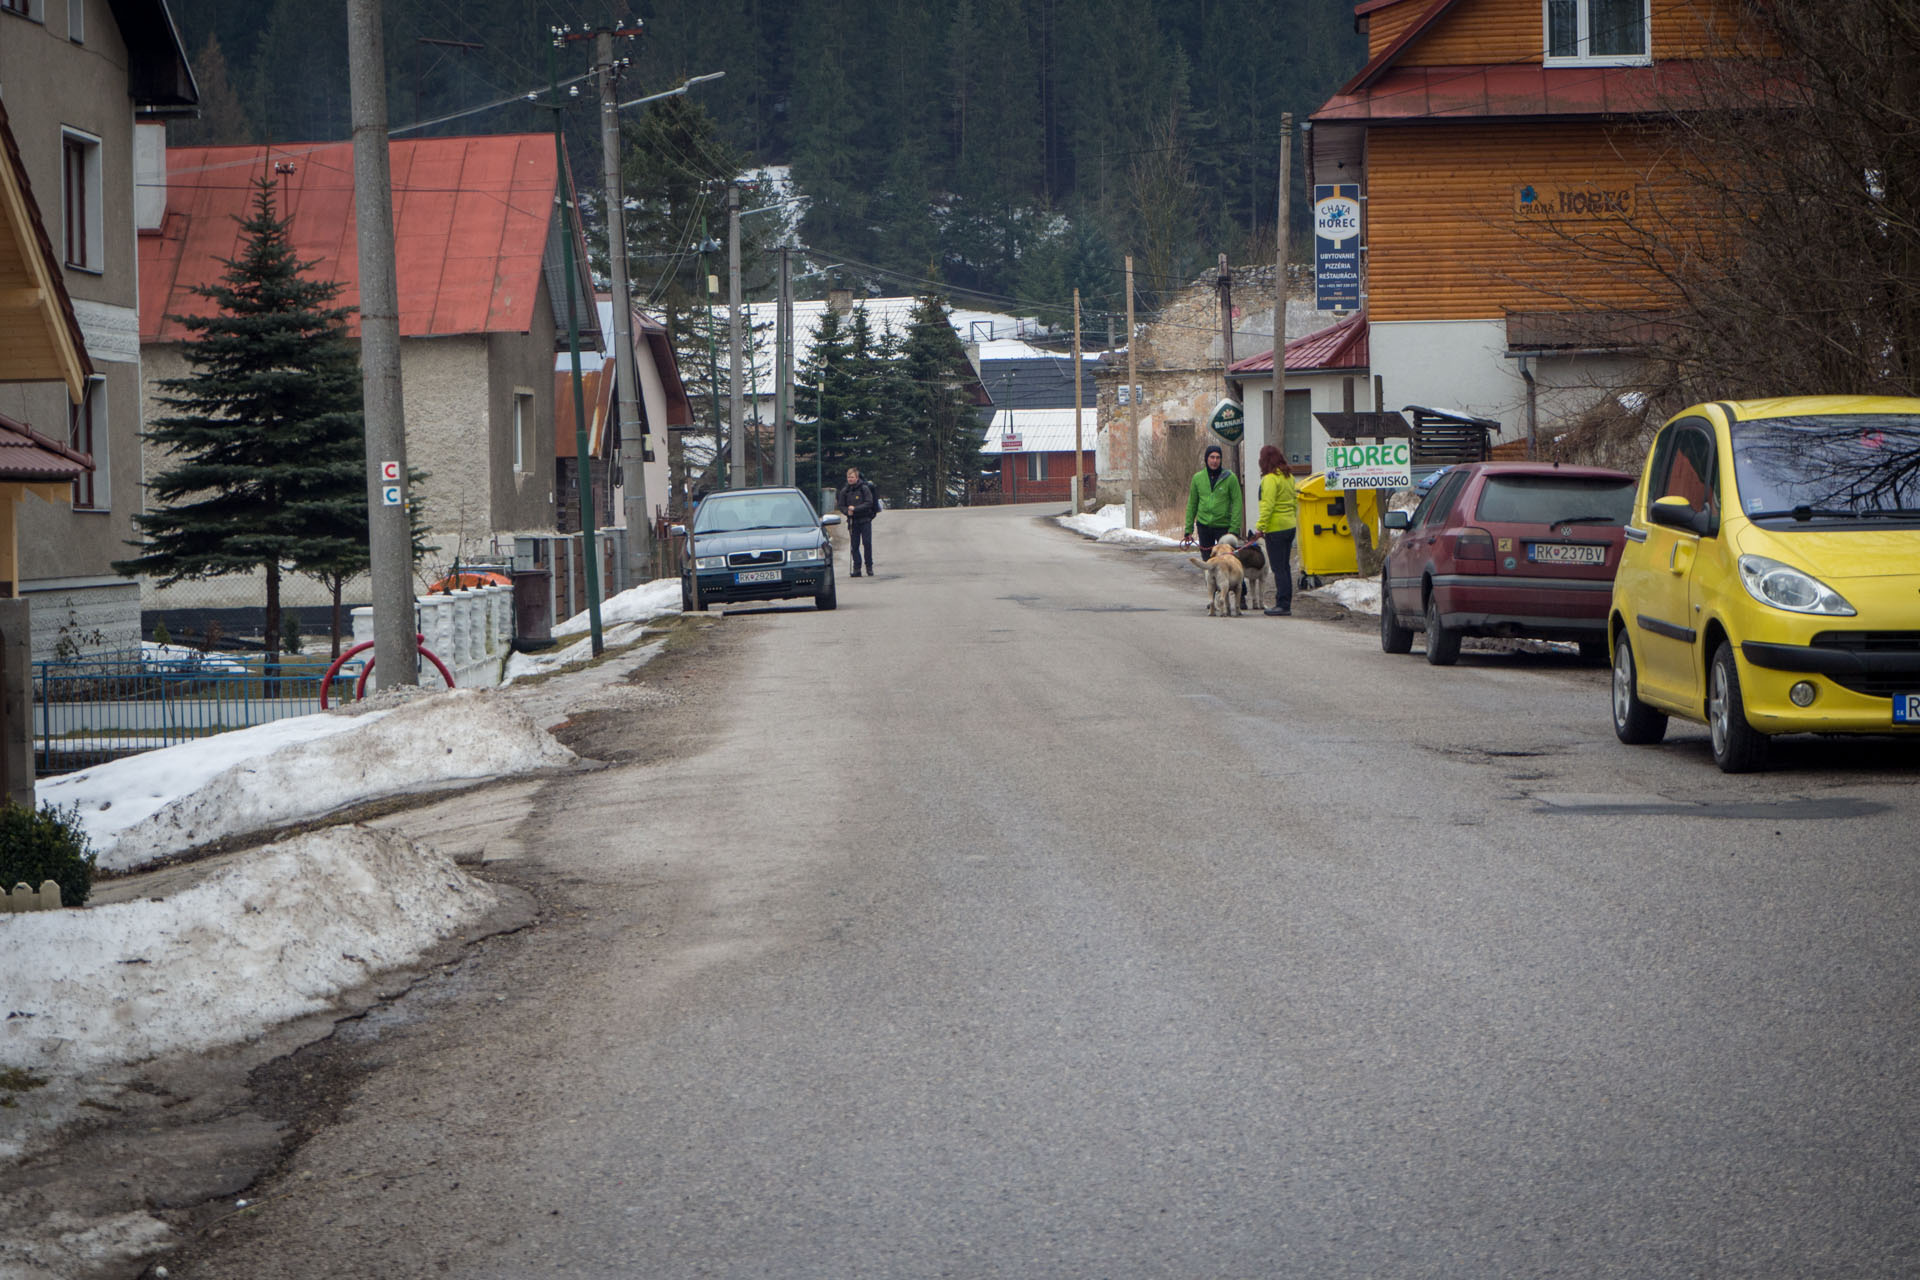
[1506,549]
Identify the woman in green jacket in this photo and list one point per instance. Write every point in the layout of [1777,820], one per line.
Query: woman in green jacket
[1279,517]
[1214,504]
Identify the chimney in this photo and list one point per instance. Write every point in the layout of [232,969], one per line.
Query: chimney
[840,301]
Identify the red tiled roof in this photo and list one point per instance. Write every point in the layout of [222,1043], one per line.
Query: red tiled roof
[27,457]
[471,218]
[1428,93]
[1338,346]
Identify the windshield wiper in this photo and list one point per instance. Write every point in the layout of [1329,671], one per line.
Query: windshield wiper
[1897,513]
[1589,520]
[1804,514]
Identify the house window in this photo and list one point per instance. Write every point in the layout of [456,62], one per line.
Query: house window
[1036,466]
[87,432]
[80,199]
[1597,30]
[25,8]
[522,423]
[77,21]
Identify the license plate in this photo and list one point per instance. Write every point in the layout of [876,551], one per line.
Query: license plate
[757,575]
[1565,553]
[1906,708]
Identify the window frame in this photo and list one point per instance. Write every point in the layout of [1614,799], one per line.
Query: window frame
[1583,38]
[1036,467]
[77,21]
[87,432]
[523,415]
[31,10]
[90,225]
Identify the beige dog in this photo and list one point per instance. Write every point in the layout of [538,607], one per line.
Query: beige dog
[1225,573]
[1253,558]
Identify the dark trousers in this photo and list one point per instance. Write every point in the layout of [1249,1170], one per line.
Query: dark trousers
[1209,534]
[1280,560]
[860,540]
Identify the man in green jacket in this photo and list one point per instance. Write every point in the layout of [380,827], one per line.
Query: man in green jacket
[1214,503]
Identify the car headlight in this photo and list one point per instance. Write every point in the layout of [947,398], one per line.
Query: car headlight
[709,562]
[812,556]
[1785,587]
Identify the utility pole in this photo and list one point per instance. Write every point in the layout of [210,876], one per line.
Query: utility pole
[783,373]
[1224,283]
[389,532]
[709,245]
[589,543]
[1133,407]
[737,418]
[635,448]
[1276,430]
[1079,455]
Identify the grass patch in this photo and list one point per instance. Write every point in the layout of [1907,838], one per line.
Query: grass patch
[19,1080]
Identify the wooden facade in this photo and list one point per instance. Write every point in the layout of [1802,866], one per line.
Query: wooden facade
[1512,32]
[1448,240]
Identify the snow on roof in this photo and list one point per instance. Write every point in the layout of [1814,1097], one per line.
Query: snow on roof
[1040,430]
[886,315]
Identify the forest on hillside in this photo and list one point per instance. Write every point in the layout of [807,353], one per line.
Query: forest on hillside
[1007,149]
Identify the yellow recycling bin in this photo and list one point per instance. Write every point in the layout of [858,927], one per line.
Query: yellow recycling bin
[1326,541]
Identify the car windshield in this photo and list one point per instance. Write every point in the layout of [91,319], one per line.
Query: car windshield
[1844,466]
[732,513]
[1551,499]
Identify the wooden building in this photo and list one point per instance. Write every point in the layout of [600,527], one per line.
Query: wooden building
[1491,138]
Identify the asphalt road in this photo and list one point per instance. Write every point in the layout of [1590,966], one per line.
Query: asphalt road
[1018,919]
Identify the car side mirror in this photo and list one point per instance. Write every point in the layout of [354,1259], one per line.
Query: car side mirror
[676,531]
[1395,520]
[1675,513]
[831,519]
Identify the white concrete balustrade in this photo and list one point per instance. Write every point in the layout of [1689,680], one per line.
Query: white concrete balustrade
[470,630]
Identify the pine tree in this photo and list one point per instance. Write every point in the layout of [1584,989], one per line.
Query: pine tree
[940,418]
[266,432]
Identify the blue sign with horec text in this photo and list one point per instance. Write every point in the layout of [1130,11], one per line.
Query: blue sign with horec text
[1336,247]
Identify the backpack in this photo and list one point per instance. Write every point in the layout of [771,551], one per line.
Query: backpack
[878,506]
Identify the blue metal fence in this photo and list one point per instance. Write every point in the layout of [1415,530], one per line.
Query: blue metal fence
[94,709]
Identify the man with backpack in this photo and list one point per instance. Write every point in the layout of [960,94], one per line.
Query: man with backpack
[859,502]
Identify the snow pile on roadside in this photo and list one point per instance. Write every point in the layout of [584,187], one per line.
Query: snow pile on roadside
[273,937]
[643,603]
[459,736]
[1362,595]
[622,618]
[1109,524]
[114,796]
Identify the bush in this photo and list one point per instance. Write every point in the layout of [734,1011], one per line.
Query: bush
[46,845]
[160,635]
[290,632]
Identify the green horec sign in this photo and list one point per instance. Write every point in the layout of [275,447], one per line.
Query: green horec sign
[1229,421]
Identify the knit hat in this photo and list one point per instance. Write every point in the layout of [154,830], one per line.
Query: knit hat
[1213,449]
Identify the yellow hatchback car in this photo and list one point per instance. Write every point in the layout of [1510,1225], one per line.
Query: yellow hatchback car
[1770,582]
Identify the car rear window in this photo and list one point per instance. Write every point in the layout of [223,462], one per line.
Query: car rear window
[1550,499]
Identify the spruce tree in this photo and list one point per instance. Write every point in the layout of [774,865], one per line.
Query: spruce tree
[266,433]
[941,417]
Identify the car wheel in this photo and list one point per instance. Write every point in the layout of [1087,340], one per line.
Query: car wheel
[699,601]
[1443,646]
[1394,638]
[1737,746]
[828,596]
[686,595]
[1593,652]
[1634,722]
